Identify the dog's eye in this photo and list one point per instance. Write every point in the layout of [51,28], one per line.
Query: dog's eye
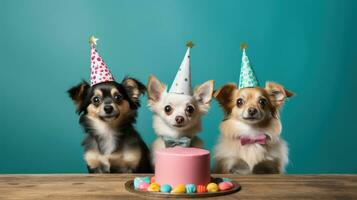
[263,102]
[240,102]
[118,97]
[96,100]
[168,109]
[190,109]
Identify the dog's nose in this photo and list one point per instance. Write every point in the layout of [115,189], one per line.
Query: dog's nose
[252,111]
[108,109]
[179,119]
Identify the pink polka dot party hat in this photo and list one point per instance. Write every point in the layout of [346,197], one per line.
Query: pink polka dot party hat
[99,70]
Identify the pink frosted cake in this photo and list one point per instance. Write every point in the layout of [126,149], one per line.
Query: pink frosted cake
[182,171]
[181,165]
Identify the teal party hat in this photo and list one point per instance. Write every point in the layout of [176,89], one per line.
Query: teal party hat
[247,78]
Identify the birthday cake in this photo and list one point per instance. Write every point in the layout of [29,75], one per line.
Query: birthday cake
[181,165]
[181,170]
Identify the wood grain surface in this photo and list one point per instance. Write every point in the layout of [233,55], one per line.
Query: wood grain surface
[111,186]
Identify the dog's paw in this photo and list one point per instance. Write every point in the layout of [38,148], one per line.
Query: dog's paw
[128,170]
[267,167]
[240,167]
[105,169]
[97,170]
[240,171]
[121,170]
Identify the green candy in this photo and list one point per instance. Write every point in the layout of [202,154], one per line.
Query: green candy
[227,180]
[190,188]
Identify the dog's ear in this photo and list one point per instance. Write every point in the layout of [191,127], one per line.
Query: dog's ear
[277,93]
[78,93]
[224,96]
[134,89]
[204,92]
[155,89]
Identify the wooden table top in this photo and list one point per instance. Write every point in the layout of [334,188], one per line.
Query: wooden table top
[111,186]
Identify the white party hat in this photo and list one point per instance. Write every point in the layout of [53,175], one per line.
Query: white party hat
[182,82]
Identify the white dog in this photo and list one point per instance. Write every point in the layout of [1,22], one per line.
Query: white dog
[177,117]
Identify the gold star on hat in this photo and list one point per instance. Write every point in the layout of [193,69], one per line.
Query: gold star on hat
[93,40]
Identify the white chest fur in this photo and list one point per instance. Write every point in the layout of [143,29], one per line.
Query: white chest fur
[231,148]
[107,136]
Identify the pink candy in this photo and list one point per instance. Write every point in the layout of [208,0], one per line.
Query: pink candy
[225,185]
[143,186]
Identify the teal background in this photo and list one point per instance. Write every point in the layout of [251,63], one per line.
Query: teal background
[308,46]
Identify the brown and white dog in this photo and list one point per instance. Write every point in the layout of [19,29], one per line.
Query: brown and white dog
[250,139]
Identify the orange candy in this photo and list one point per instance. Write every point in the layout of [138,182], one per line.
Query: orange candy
[152,179]
[201,189]
[180,188]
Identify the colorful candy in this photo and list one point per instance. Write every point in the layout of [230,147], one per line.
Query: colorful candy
[227,179]
[137,181]
[180,188]
[226,185]
[148,184]
[165,188]
[152,179]
[216,180]
[201,189]
[190,188]
[154,187]
[143,186]
[212,187]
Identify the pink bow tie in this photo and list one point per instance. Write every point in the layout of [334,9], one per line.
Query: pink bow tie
[260,139]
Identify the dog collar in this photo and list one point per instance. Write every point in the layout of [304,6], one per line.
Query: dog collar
[248,139]
[172,142]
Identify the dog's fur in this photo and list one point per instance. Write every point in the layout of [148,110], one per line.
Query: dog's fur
[230,155]
[108,113]
[165,123]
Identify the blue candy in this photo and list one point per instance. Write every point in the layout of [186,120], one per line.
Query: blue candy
[227,180]
[217,180]
[137,181]
[165,188]
[190,188]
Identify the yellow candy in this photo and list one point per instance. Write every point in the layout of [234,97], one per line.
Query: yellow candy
[212,187]
[179,189]
[154,187]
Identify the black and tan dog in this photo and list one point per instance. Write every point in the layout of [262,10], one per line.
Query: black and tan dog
[108,113]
